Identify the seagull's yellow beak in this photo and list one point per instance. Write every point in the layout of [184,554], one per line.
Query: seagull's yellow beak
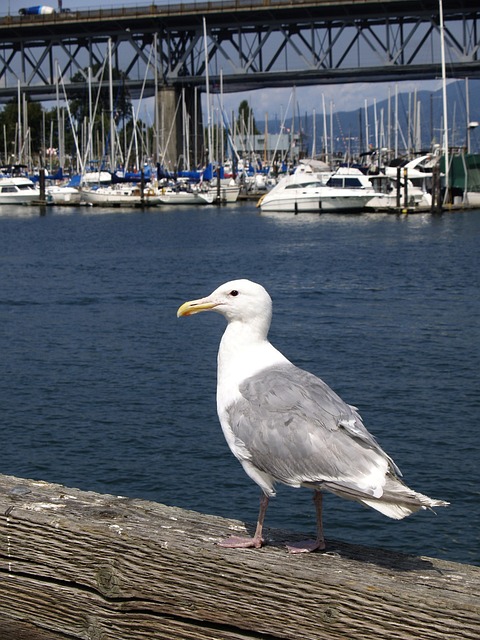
[196,306]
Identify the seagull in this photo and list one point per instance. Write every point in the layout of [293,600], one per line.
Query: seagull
[287,426]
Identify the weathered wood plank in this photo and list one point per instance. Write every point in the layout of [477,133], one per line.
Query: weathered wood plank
[83,565]
[17,630]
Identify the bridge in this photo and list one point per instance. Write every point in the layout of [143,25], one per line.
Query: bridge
[169,50]
[249,44]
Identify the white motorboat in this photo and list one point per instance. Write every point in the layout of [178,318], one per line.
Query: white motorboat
[415,183]
[63,194]
[472,199]
[120,195]
[18,190]
[418,170]
[390,193]
[304,191]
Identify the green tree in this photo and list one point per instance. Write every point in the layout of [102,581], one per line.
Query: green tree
[246,121]
[32,142]
[80,107]
[79,98]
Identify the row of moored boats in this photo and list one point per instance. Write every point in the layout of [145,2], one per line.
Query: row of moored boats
[310,187]
[96,191]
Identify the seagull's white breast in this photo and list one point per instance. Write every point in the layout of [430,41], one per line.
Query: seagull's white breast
[240,356]
[236,363]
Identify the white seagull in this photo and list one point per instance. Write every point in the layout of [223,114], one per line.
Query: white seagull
[286,425]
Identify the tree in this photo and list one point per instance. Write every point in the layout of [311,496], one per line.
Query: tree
[79,98]
[246,121]
[100,107]
[31,137]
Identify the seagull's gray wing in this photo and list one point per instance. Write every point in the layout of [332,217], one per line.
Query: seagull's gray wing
[295,428]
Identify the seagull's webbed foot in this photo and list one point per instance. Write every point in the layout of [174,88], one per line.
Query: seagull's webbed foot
[237,542]
[306,546]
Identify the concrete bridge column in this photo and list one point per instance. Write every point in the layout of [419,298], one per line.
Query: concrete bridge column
[169,127]
[172,128]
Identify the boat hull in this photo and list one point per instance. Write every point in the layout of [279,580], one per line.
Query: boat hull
[227,193]
[22,199]
[184,198]
[64,195]
[316,203]
[117,198]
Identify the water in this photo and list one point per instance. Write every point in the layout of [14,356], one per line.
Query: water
[103,388]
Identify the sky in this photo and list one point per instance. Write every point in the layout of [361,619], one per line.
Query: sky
[279,104]
[342,97]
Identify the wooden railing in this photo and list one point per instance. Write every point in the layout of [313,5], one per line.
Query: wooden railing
[76,564]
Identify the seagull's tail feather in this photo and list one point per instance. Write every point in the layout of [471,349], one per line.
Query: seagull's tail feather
[397,500]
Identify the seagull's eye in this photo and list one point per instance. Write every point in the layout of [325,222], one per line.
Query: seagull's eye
[234,293]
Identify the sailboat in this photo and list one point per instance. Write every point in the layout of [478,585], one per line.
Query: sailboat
[63,194]
[121,195]
[183,192]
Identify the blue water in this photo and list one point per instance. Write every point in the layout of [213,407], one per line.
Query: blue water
[103,388]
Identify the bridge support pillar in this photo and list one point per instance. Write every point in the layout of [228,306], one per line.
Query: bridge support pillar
[179,114]
[169,127]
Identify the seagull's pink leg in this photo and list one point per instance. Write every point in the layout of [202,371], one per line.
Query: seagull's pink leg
[237,542]
[312,545]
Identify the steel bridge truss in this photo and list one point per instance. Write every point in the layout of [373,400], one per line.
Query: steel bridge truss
[262,47]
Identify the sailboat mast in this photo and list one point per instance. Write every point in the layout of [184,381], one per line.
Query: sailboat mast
[61,159]
[396,120]
[314,135]
[156,119]
[444,93]
[207,81]
[325,135]
[19,123]
[112,121]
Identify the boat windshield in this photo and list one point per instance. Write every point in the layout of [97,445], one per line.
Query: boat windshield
[303,185]
[344,182]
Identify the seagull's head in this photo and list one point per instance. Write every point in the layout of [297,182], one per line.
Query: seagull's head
[237,300]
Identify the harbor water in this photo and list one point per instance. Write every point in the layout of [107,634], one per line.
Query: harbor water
[103,388]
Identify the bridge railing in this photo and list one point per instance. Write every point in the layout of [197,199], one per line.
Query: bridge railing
[141,10]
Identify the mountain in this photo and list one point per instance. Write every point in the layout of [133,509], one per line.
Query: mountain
[418,128]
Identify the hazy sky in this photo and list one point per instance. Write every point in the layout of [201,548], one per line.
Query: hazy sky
[343,97]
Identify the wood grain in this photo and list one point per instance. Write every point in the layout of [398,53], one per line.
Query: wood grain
[76,564]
